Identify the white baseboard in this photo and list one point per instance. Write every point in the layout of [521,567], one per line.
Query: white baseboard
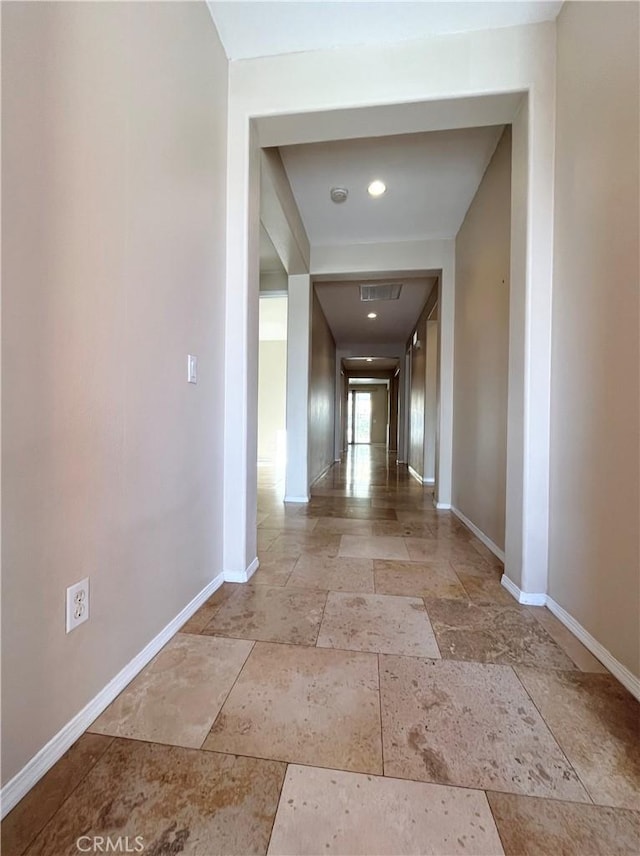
[429,481]
[296,499]
[242,576]
[42,761]
[479,534]
[442,506]
[529,598]
[626,678]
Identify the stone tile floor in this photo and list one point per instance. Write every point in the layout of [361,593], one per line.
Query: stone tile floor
[372,690]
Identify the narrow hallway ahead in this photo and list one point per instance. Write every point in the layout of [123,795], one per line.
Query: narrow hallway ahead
[373,690]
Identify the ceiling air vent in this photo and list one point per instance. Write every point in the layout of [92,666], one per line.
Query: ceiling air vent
[380,291]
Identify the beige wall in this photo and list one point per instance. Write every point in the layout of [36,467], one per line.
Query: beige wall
[421,393]
[322,381]
[594,565]
[416,399]
[272,401]
[481,354]
[431,399]
[113,193]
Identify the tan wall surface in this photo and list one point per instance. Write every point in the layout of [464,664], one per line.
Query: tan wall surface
[113,182]
[594,568]
[417,396]
[481,354]
[322,382]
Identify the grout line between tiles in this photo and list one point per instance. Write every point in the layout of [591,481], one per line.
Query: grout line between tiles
[495,821]
[275,814]
[246,659]
[380,707]
[549,729]
[69,795]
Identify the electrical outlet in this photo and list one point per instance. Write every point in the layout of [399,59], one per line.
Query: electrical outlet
[77,604]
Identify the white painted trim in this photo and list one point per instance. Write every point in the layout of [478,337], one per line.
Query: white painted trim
[442,506]
[42,761]
[479,534]
[428,481]
[296,499]
[626,678]
[242,576]
[529,598]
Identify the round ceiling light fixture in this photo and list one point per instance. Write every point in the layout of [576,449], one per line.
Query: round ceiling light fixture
[376,188]
[338,194]
[372,315]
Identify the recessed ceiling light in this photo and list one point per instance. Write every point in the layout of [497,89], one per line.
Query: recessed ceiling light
[372,315]
[377,188]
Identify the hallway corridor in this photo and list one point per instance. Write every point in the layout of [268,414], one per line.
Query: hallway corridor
[373,690]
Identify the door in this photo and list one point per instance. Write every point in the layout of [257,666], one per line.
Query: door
[359,417]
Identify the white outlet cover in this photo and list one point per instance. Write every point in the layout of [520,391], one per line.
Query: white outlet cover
[77,604]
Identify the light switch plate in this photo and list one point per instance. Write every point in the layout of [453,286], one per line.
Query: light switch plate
[192,368]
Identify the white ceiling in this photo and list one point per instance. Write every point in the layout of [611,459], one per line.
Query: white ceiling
[346,314]
[250,29]
[431,179]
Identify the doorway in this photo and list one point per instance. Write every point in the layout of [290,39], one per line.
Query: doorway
[359,417]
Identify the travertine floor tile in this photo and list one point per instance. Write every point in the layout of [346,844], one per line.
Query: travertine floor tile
[398,529]
[379,623]
[417,579]
[21,825]
[530,826]
[304,705]
[493,634]
[343,526]
[354,512]
[451,548]
[266,537]
[350,814]
[469,724]
[333,574]
[475,567]
[273,570]
[321,544]
[288,523]
[486,590]
[597,724]
[573,647]
[178,695]
[203,616]
[270,614]
[177,800]
[376,547]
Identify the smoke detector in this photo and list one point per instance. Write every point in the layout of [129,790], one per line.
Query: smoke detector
[339,194]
